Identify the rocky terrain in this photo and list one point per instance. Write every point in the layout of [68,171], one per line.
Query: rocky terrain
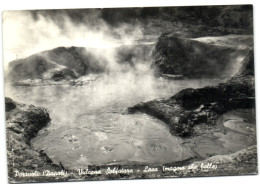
[188,111]
[194,106]
[218,57]
[22,124]
[178,28]
[57,64]
[66,65]
[201,57]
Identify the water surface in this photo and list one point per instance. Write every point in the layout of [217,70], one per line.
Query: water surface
[89,125]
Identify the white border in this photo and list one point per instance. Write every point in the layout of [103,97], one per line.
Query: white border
[52,4]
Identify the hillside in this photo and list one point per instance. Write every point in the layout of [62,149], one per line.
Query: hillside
[186,37]
[70,63]
[57,64]
[200,57]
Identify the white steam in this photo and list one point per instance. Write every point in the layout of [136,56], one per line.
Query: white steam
[23,35]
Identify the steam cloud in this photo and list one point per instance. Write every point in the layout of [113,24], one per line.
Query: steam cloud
[29,32]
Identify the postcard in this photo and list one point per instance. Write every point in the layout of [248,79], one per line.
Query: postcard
[129,93]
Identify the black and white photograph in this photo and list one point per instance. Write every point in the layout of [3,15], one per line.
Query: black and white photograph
[129,93]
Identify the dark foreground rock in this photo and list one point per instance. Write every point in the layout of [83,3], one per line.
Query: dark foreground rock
[22,124]
[194,106]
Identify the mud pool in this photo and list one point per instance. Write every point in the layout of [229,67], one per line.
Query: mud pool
[233,131]
[89,125]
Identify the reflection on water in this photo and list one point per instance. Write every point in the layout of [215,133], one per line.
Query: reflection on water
[88,126]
